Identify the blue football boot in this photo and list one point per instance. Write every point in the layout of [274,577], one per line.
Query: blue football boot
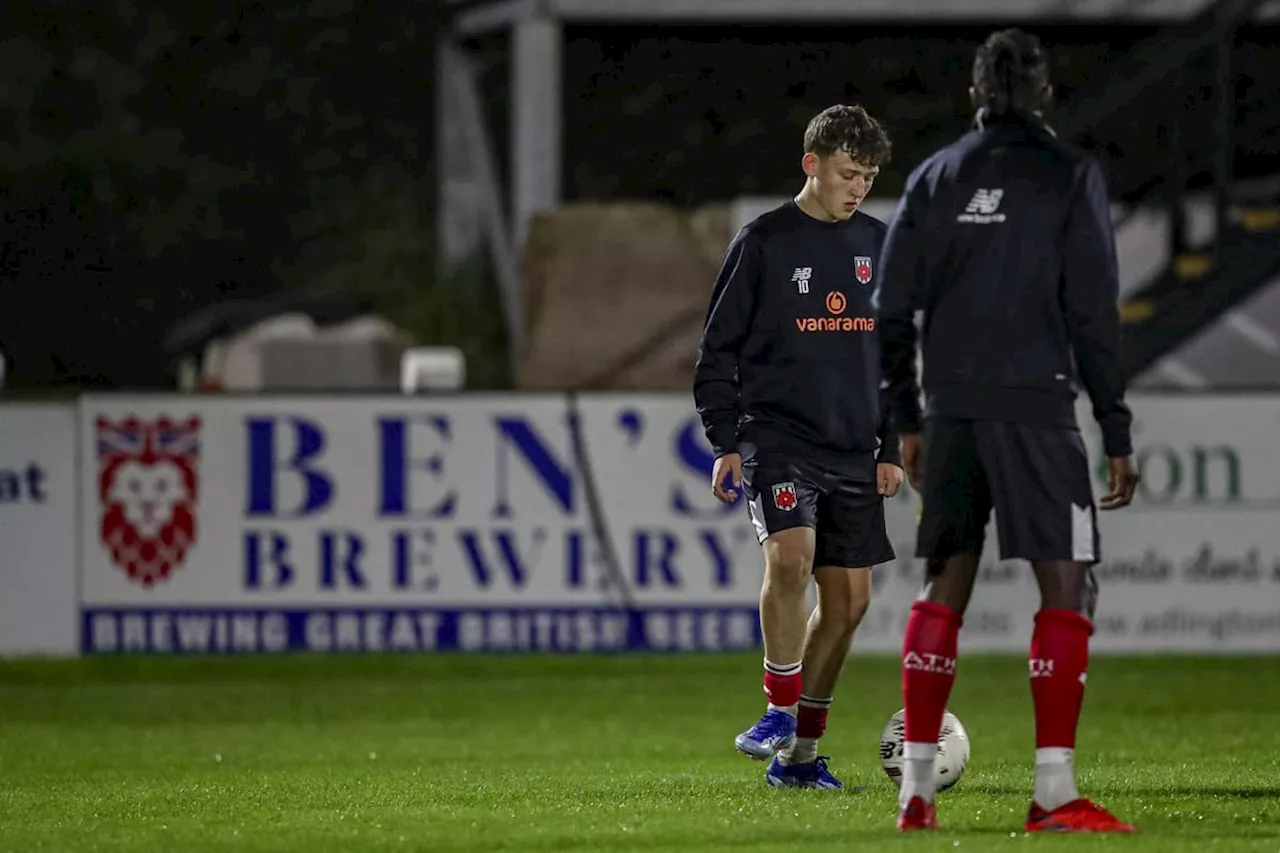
[812,774]
[775,732]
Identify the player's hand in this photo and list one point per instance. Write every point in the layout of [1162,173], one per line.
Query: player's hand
[911,445]
[729,465]
[888,478]
[1122,480]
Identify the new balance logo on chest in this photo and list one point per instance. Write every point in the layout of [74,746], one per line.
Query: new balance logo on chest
[801,278]
[983,208]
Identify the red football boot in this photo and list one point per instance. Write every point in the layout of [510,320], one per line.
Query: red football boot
[1076,816]
[917,815]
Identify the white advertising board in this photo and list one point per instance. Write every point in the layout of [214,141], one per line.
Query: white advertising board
[487,523]
[37,524]
[1192,565]
[217,524]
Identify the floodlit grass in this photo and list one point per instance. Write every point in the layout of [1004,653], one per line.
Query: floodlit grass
[623,753]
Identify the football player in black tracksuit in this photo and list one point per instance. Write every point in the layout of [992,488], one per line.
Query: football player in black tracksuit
[787,385]
[1003,241]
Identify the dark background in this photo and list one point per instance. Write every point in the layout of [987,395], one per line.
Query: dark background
[156,160]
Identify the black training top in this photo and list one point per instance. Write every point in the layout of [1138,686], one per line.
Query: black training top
[1003,239]
[789,355]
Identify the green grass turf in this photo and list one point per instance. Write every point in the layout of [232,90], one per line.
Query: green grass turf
[593,754]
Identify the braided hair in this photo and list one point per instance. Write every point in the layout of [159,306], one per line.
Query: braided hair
[1010,75]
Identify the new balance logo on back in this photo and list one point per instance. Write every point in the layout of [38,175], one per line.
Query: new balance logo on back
[983,208]
[801,277]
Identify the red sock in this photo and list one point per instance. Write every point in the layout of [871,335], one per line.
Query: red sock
[928,668]
[782,683]
[811,721]
[1059,660]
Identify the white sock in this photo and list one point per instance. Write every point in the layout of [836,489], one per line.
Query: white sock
[917,772]
[793,710]
[804,751]
[1055,777]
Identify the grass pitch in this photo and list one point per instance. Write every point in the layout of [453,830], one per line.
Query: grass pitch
[594,754]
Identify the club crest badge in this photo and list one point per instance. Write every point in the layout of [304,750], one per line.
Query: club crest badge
[862,269]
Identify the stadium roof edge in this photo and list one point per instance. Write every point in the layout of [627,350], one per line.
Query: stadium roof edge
[475,17]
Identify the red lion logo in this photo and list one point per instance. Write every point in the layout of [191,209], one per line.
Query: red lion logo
[147,483]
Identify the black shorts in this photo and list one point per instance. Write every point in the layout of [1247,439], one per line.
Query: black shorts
[1035,477]
[842,506]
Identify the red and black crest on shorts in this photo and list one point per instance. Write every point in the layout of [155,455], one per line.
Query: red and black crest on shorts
[862,269]
[784,496]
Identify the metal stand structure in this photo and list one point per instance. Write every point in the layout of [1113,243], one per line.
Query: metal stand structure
[1224,148]
[477,213]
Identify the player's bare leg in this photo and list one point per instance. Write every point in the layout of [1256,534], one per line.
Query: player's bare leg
[928,671]
[843,597]
[788,564]
[1058,666]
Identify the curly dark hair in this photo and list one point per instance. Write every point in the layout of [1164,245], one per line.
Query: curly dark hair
[1011,74]
[850,129]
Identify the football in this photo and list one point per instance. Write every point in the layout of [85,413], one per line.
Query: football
[953,750]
